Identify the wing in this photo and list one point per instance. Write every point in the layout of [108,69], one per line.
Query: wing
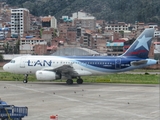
[65,70]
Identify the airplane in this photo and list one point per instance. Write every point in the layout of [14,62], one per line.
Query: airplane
[70,67]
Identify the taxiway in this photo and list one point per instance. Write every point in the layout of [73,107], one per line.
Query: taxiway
[89,101]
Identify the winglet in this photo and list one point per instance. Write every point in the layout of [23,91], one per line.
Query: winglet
[141,45]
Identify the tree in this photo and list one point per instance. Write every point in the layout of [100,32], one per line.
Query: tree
[6,48]
[122,33]
[109,10]
[16,48]
[11,49]
[1,58]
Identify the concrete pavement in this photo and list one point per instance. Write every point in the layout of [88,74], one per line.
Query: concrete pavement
[90,101]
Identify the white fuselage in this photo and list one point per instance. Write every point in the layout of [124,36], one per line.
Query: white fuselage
[82,65]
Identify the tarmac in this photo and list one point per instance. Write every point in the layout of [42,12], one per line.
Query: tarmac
[89,101]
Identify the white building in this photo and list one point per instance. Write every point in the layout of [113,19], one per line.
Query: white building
[153,26]
[27,44]
[120,26]
[3,33]
[82,15]
[157,33]
[20,21]
[84,20]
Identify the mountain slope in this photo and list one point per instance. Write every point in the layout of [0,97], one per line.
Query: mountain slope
[109,10]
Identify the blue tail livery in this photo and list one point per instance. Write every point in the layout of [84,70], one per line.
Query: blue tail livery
[70,67]
[142,44]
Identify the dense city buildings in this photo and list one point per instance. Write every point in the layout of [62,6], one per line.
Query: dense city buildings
[45,34]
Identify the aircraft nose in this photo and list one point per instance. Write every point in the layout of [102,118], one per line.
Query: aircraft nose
[5,67]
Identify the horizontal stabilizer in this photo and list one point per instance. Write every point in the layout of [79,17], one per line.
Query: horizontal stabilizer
[136,63]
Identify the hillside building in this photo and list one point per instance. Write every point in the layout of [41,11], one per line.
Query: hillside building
[71,35]
[84,20]
[27,45]
[20,22]
[86,40]
[120,26]
[62,28]
[3,33]
[49,21]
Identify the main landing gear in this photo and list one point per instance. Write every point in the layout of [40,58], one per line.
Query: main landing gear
[25,80]
[79,80]
[70,81]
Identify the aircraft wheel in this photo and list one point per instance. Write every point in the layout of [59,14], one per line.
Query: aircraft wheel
[79,81]
[25,81]
[69,81]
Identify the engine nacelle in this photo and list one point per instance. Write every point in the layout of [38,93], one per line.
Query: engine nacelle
[46,75]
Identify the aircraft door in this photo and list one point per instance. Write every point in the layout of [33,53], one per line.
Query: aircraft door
[118,64]
[22,62]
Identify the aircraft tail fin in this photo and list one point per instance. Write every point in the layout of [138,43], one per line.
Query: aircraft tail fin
[141,46]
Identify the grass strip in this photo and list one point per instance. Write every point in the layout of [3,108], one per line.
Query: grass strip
[110,78]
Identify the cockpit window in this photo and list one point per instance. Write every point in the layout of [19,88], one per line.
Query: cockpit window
[12,61]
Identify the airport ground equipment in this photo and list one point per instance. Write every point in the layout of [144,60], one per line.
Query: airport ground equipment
[54,117]
[11,112]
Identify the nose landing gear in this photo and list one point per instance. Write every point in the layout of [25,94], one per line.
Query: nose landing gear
[25,80]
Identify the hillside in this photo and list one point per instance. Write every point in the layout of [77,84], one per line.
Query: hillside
[109,10]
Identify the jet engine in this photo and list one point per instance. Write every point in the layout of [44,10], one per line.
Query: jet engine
[47,75]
